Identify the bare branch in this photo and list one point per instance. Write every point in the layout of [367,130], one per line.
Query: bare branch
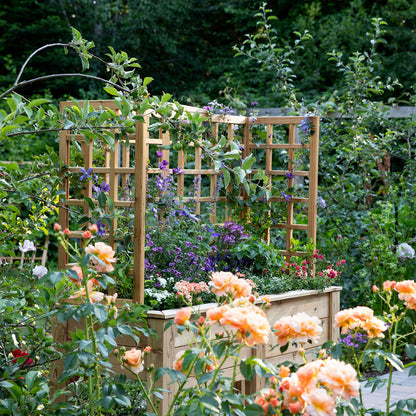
[50,45]
[53,76]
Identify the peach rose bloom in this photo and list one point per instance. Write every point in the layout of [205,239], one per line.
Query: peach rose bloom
[95,296]
[319,403]
[389,285]
[283,330]
[374,327]
[221,283]
[308,374]
[340,378]
[258,328]
[360,317]
[241,288]
[105,254]
[78,271]
[182,316]
[177,364]
[363,313]
[236,318]
[293,392]
[266,399]
[134,360]
[284,371]
[352,318]
[307,327]
[300,327]
[216,314]
[407,292]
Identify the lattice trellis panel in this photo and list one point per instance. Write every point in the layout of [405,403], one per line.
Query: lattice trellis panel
[287,156]
[126,170]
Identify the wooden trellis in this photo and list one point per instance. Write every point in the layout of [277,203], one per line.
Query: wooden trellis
[128,163]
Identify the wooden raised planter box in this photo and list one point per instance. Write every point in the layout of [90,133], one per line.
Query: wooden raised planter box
[323,304]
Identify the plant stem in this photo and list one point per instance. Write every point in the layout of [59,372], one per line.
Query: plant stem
[393,351]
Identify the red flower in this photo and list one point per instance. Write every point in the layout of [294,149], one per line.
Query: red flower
[19,353]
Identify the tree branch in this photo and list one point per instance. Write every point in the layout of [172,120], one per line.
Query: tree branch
[53,76]
[50,45]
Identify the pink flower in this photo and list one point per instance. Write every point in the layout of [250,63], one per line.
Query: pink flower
[87,234]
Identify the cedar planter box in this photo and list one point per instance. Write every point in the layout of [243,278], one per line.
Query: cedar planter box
[323,304]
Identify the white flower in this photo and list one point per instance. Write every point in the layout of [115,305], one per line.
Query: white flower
[159,295]
[163,282]
[27,246]
[405,251]
[39,271]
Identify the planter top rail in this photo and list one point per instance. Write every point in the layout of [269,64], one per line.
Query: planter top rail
[274,141]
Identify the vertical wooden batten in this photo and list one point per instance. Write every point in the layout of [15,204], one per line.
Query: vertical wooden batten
[140,210]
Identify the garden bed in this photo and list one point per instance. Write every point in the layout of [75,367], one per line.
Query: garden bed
[323,304]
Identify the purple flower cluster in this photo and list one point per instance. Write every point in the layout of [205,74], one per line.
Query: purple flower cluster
[305,125]
[355,340]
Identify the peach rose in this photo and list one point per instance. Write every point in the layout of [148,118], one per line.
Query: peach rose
[320,403]
[389,285]
[182,316]
[258,328]
[78,271]
[215,314]
[177,364]
[407,292]
[241,288]
[360,317]
[134,360]
[374,327]
[340,378]
[221,283]
[104,254]
[300,327]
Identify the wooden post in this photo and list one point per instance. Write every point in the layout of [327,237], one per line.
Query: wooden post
[140,210]
[313,180]
[63,209]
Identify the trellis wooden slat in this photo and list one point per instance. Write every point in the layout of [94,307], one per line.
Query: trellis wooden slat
[117,171]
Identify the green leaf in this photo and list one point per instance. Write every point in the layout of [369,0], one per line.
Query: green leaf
[240,175]
[147,81]
[6,384]
[211,403]
[85,259]
[110,203]
[395,361]
[248,162]
[122,400]
[102,199]
[411,350]
[54,277]
[379,363]
[90,202]
[8,128]
[100,313]
[227,177]
[111,90]
[38,101]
